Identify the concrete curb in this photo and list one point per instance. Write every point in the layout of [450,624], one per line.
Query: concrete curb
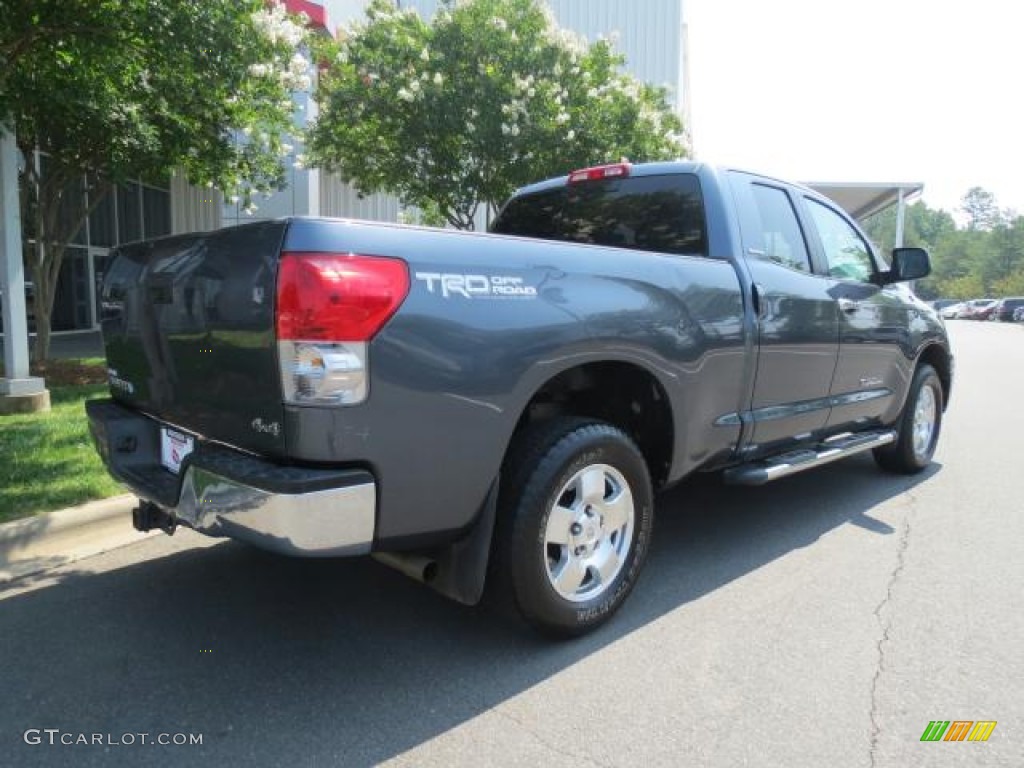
[40,543]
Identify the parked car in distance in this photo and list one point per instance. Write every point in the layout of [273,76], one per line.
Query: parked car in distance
[983,312]
[941,304]
[977,309]
[953,311]
[1018,315]
[1003,311]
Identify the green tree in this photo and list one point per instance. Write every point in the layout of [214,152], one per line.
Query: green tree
[949,255]
[1005,252]
[1011,285]
[979,205]
[932,225]
[963,288]
[922,226]
[487,97]
[983,258]
[25,28]
[111,90]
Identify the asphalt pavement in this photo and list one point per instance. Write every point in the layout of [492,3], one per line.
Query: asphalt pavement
[823,620]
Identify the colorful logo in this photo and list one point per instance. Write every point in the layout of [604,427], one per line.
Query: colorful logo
[958,730]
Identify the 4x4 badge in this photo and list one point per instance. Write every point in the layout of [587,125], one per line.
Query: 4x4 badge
[271,428]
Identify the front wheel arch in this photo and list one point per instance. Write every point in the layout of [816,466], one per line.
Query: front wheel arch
[939,358]
[918,426]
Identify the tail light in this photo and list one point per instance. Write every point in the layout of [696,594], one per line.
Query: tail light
[329,306]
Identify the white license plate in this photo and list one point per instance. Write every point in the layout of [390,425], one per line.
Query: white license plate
[174,447]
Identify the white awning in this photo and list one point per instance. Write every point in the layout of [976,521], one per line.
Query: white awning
[863,199]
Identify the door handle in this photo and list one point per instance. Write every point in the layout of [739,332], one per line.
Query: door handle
[757,294]
[848,305]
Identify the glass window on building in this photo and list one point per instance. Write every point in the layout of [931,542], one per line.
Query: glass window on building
[71,308]
[70,212]
[103,223]
[71,205]
[156,211]
[129,213]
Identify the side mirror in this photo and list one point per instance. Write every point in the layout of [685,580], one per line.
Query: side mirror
[908,264]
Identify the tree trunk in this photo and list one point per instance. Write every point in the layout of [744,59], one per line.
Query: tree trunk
[45,289]
[45,270]
[41,346]
[44,260]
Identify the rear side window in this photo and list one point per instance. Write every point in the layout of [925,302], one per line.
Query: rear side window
[648,213]
[782,239]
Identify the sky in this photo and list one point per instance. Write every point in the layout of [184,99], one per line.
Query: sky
[874,90]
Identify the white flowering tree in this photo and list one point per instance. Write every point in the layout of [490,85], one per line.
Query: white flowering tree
[488,96]
[111,90]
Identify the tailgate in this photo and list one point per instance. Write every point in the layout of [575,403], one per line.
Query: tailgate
[188,323]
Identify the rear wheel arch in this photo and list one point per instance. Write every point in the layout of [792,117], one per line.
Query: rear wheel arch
[619,393]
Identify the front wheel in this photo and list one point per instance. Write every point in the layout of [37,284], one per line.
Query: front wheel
[579,516]
[918,426]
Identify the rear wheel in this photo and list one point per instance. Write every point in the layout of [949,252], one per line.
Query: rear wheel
[577,520]
[918,426]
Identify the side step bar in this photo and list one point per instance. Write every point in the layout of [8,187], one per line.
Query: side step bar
[833,449]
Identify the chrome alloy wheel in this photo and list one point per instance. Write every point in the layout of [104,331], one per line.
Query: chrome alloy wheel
[925,414]
[589,533]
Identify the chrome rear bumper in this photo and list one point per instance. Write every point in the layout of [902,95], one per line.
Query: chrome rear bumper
[327,523]
[295,510]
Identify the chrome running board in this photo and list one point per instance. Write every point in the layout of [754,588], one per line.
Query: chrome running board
[784,464]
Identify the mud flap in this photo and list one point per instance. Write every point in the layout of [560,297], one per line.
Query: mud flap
[462,566]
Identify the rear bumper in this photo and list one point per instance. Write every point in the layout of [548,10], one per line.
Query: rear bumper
[307,512]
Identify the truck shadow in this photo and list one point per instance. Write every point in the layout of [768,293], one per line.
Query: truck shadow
[346,662]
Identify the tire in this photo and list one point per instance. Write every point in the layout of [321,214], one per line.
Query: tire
[917,428]
[565,485]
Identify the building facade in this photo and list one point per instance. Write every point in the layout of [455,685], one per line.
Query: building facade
[651,34]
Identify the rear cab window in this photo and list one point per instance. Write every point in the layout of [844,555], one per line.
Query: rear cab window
[663,213]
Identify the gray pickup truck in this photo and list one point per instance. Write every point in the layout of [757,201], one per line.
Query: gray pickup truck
[501,407]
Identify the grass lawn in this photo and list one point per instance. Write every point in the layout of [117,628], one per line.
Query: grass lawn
[47,461]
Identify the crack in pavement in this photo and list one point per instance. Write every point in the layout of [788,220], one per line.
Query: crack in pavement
[886,625]
[540,740]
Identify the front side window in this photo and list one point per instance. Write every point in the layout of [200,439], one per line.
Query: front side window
[846,253]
